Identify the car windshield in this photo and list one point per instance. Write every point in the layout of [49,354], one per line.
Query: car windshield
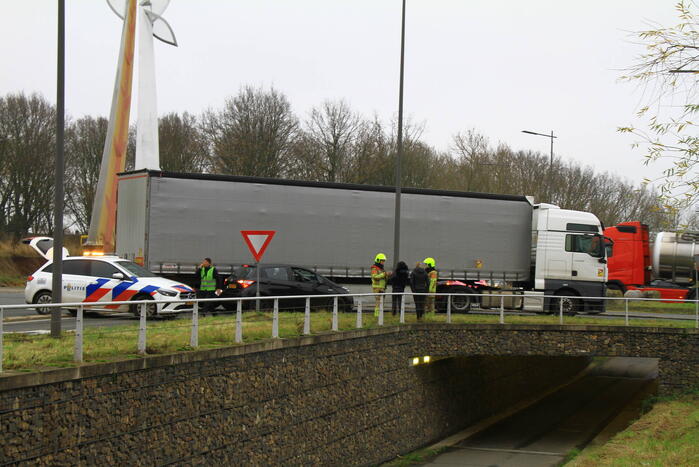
[244,272]
[135,270]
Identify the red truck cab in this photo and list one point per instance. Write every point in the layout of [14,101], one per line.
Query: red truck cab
[630,262]
[629,265]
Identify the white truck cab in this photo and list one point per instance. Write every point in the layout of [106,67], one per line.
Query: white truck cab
[569,257]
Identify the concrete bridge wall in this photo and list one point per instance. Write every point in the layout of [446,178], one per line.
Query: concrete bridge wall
[348,398]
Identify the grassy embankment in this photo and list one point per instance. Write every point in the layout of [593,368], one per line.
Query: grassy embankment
[668,434]
[17,260]
[29,352]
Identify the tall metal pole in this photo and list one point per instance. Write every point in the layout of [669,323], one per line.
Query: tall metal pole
[399,150]
[551,172]
[57,277]
[551,164]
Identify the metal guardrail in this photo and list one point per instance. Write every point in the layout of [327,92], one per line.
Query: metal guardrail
[238,338]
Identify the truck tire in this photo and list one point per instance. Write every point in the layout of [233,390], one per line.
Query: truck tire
[43,298]
[151,308]
[692,294]
[571,306]
[459,304]
[462,304]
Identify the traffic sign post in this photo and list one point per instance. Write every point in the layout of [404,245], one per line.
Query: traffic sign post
[257,242]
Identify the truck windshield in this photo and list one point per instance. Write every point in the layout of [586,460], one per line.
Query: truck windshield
[135,270]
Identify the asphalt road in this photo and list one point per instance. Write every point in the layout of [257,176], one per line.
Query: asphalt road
[13,296]
[542,434]
[28,320]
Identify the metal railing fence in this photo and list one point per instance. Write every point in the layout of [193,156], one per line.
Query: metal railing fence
[445,301]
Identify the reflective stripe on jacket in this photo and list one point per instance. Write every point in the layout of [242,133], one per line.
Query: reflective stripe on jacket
[433,275]
[378,277]
[208,282]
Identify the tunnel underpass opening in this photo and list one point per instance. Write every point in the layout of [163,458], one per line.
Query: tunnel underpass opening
[538,404]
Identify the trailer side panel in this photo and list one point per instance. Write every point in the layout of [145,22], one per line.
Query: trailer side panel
[336,231]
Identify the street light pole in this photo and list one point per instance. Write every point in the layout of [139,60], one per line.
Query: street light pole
[399,149]
[550,177]
[57,275]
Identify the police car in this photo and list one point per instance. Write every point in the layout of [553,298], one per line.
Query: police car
[92,280]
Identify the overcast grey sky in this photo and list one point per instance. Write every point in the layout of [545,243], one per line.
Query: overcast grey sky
[495,66]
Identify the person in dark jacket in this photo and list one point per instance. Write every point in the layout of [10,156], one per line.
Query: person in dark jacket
[399,281]
[209,285]
[419,284]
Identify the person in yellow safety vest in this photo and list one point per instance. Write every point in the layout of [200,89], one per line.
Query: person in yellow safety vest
[209,285]
[379,279]
[433,276]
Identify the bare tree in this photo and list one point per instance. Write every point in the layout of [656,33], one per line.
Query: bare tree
[471,150]
[331,133]
[252,134]
[84,145]
[371,151]
[182,145]
[27,147]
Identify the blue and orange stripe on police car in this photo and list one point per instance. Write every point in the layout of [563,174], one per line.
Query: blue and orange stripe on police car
[121,292]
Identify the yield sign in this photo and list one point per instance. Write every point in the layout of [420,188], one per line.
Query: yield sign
[257,241]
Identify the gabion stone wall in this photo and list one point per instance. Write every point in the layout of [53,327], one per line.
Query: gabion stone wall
[337,399]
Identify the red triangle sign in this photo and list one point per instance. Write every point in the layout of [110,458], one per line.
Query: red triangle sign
[257,241]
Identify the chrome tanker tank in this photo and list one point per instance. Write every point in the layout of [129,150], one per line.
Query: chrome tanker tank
[674,256]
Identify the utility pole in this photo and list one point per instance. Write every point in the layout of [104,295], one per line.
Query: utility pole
[399,149]
[57,275]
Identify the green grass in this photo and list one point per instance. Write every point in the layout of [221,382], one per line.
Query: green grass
[104,344]
[8,279]
[636,306]
[667,435]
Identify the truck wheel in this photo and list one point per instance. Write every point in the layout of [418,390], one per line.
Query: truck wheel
[461,303]
[151,308]
[43,298]
[692,294]
[571,305]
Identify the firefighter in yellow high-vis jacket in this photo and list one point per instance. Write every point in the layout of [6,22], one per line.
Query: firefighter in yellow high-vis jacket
[379,279]
[433,276]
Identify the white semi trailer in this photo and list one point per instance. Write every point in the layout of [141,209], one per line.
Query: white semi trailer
[482,242]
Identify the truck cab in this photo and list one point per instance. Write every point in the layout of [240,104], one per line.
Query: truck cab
[666,267]
[630,263]
[569,259]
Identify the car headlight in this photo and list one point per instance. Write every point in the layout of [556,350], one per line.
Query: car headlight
[345,289]
[167,293]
